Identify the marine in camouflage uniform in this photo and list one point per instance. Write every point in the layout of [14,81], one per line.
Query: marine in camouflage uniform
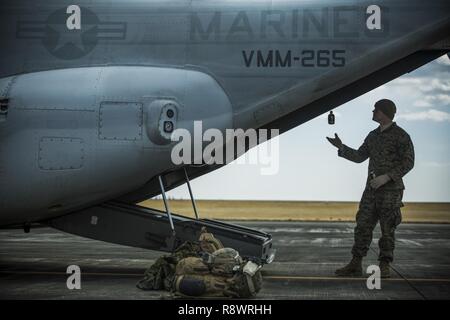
[391,156]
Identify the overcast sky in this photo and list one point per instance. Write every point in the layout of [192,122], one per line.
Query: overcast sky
[310,168]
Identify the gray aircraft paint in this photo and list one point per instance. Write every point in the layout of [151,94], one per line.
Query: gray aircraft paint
[92,140]
[84,106]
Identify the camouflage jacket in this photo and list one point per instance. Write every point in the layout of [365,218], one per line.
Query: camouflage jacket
[391,152]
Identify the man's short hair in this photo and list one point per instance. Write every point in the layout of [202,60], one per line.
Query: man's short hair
[387,107]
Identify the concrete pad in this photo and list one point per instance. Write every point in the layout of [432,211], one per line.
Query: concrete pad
[33,266]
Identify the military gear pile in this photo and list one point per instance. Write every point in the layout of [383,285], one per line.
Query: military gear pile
[161,274]
[206,269]
[224,274]
[208,243]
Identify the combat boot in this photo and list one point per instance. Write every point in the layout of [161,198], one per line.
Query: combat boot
[354,268]
[385,271]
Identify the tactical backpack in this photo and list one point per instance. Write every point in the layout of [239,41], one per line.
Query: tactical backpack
[219,272]
[208,243]
[224,274]
[161,275]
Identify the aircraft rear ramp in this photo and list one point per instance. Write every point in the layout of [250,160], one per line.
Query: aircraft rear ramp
[136,226]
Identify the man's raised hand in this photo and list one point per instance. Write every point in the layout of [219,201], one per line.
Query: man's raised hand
[336,141]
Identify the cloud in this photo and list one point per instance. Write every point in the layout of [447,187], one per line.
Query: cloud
[426,88]
[434,76]
[429,101]
[430,85]
[443,60]
[408,81]
[422,104]
[433,115]
[424,84]
[439,99]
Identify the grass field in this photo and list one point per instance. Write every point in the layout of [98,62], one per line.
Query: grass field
[296,210]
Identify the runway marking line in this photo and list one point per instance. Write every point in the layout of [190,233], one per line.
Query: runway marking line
[351,279]
[264,277]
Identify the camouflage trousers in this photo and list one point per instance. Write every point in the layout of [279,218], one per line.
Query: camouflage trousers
[378,206]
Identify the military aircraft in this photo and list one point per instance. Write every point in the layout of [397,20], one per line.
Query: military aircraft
[90,92]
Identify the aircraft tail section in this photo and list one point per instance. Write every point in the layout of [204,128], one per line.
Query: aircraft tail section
[281,104]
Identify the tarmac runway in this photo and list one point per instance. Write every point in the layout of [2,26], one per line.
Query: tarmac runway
[33,266]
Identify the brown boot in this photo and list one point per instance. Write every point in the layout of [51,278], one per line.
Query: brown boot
[385,271]
[354,268]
